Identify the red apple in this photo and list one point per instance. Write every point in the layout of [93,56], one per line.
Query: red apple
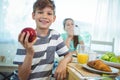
[32,33]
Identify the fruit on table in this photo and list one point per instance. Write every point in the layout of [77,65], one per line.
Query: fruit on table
[110,56]
[32,33]
[107,56]
[114,59]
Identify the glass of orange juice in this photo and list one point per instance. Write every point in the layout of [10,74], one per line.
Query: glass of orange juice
[82,54]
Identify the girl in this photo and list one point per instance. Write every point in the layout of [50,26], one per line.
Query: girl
[70,39]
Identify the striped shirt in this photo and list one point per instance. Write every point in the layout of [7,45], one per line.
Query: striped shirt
[45,49]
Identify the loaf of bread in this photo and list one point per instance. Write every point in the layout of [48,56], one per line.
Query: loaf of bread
[99,65]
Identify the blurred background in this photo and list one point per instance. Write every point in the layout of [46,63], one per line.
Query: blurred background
[99,18]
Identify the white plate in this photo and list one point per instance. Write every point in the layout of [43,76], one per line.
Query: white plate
[117,65]
[114,70]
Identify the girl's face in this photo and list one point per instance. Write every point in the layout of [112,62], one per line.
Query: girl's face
[69,27]
[44,18]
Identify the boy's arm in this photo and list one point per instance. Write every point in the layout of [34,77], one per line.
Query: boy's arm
[25,69]
[61,71]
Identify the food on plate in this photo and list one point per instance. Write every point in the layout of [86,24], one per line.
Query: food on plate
[32,33]
[111,57]
[99,65]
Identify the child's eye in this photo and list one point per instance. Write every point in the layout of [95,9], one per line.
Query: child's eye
[50,13]
[40,12]
[68,25]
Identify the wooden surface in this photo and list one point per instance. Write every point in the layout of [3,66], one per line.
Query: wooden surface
[73,75]
[77,72]
[82,71]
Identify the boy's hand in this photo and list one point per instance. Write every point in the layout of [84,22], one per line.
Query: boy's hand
[23,39]
[60,73]
[61,70]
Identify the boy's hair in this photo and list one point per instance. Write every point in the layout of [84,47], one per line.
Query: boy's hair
[41,4]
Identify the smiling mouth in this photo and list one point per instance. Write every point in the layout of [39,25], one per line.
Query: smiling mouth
[43,21]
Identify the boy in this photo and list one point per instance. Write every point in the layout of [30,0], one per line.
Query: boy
[36,59]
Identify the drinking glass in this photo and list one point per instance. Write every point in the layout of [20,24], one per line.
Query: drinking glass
[82,54]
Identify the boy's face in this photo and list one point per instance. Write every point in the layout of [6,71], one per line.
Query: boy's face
[44,18]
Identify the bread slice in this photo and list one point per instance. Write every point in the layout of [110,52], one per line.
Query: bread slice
[99,65]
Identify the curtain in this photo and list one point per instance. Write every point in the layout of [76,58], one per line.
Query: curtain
[107,22]
[14,16]
[102,18]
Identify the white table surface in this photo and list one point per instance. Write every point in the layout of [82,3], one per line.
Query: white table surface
[7,67]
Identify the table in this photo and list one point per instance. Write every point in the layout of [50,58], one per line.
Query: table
[77,72]
[7,67]
[73,74]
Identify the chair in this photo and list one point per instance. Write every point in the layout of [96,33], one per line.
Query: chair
[102,46]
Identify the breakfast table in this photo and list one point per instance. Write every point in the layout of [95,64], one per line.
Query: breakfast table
[7,68]
[77,72]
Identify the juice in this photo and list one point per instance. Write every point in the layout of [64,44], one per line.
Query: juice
[82,58]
